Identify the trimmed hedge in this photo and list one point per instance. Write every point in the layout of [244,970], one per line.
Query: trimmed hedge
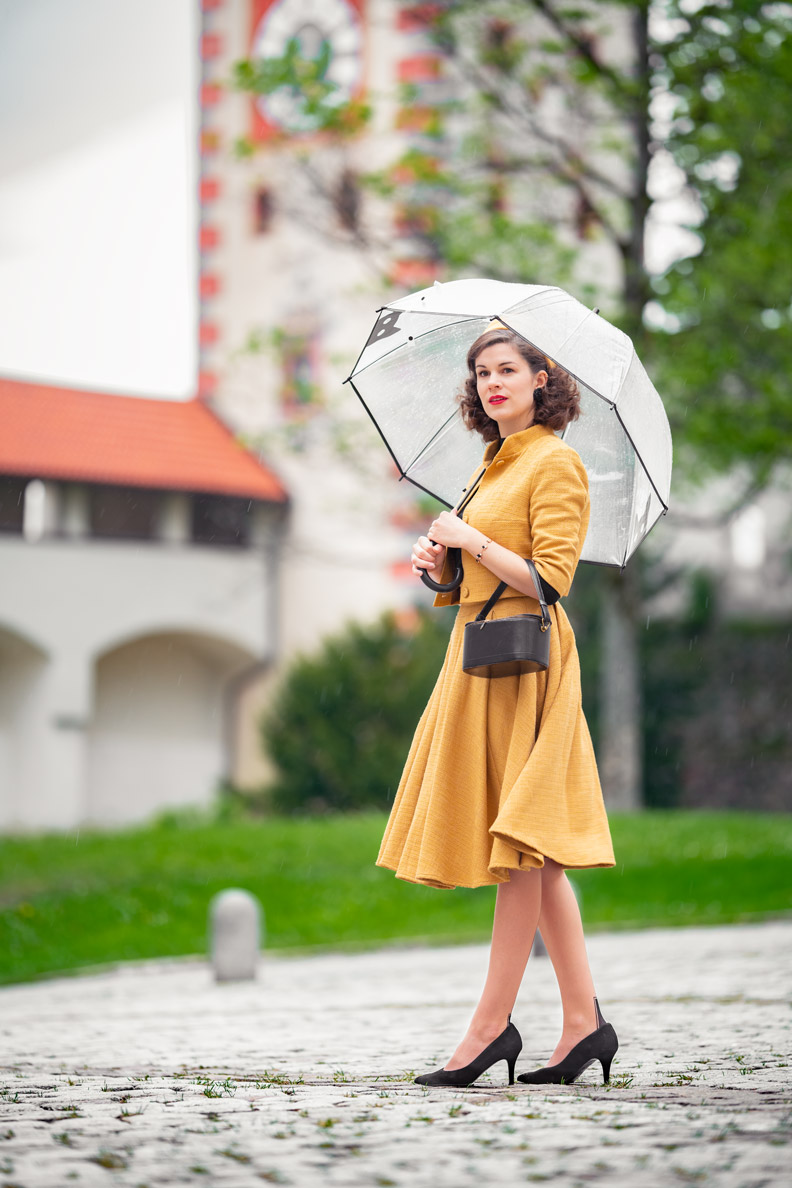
[341,723]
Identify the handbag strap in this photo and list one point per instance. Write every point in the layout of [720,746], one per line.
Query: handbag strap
[488,605]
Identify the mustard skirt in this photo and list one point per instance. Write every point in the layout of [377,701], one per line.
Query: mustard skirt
[501,773]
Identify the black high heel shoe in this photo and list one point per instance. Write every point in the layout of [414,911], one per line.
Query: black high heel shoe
[507,1046]
[601,1045]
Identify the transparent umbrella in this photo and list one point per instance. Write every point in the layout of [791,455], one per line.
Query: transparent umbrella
[413,365]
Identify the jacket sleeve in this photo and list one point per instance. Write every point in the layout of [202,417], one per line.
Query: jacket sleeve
[559,513]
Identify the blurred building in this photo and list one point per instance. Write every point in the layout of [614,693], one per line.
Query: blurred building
[743,546]
[295,260]
[139,549]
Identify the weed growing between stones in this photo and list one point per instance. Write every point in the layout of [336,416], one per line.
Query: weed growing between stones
[126,1114]
[237,1156]
[623,1081]
[224,1088]
[266,1079]
[109,1159]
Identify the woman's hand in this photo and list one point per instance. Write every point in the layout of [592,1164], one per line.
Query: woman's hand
[452,531]
[425,556]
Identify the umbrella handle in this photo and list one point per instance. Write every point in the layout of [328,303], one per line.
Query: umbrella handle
[455,556]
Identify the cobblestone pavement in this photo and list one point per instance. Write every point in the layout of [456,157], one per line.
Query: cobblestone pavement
[151,1074]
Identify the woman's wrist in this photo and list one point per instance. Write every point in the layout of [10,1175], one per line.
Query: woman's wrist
[477,542]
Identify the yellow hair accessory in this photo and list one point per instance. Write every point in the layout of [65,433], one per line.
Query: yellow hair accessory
[496,322]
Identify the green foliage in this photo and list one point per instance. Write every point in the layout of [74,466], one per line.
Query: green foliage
[88,898]
[340,726]
[315,98]
[728,68]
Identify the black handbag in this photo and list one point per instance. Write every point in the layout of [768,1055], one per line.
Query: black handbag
[508,646]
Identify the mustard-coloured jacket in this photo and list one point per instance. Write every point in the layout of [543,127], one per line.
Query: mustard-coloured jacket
[534,500]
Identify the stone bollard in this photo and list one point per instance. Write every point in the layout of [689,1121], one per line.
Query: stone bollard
[234,935]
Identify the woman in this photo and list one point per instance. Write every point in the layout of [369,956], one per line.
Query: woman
[501,785]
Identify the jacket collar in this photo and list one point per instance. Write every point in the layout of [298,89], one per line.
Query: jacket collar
[515,443]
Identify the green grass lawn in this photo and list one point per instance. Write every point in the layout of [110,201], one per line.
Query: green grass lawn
[73,900]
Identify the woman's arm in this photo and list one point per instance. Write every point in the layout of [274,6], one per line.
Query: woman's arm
[449,530]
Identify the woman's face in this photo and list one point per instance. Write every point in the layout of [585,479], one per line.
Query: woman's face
[506,384]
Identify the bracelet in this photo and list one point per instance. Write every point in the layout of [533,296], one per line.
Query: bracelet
[480,553]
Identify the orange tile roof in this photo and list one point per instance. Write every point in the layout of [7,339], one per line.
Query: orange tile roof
[91,437]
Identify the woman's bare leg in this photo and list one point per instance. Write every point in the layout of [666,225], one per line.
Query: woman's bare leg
[517,908]
[562,933]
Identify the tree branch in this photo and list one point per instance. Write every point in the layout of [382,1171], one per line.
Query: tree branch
[582,46]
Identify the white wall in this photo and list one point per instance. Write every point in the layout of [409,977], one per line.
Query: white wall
[158,729]
[21,670]
[84,598]
[98,193]
[115,663]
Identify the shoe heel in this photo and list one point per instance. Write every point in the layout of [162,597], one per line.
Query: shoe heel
[511,1064]
[606,1066]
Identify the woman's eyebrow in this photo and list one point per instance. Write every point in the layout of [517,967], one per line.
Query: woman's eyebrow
[500,363]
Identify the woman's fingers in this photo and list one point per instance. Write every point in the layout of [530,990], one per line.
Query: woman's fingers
[424,549]
[424,555]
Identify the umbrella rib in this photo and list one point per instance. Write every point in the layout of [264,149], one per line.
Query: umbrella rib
[643,538]
[603,564]
[640,459]
[426,491]
[426,444]
[398,346]
[399,466]
[360,356]
[376,426]
[536,347]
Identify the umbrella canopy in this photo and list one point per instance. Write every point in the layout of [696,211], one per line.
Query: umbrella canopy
[414,364]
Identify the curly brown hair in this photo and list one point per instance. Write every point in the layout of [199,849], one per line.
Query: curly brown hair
[555,405]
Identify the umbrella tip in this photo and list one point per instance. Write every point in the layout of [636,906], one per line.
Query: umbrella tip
[596,311]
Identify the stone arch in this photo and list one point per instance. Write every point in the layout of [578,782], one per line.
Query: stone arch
[159,734]
[23,664]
